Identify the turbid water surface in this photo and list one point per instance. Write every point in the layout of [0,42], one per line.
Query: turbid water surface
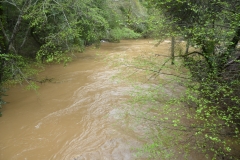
[74,116]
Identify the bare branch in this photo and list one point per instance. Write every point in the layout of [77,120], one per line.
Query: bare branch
[232,61]
[15,30]
[194,52]
[3,31]
[12,3]
[63,13]
[25,37]
[156,71]
[16,27]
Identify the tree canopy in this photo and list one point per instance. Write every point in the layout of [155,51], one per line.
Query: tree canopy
[211,25]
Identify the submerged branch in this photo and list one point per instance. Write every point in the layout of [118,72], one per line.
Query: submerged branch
[156,72]
[185,128]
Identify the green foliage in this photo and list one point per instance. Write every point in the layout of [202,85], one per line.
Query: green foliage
[123,33]
[212,26]
[17,69]
[131,14]
[62,25]
[53,28]
[158,26]
[216,115]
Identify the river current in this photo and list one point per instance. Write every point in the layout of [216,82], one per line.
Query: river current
[74,116]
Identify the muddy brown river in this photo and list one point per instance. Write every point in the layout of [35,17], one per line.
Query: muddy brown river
[74,117]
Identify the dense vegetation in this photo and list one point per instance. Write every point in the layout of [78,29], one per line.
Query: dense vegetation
[204,115]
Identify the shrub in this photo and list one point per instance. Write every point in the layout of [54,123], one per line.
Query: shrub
[123,33]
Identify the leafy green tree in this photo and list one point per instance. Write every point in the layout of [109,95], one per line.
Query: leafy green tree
[132,14]
[211,25]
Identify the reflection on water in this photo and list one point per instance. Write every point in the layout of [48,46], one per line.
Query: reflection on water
[73,118]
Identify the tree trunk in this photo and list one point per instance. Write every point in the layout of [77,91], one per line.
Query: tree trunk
[172,50]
